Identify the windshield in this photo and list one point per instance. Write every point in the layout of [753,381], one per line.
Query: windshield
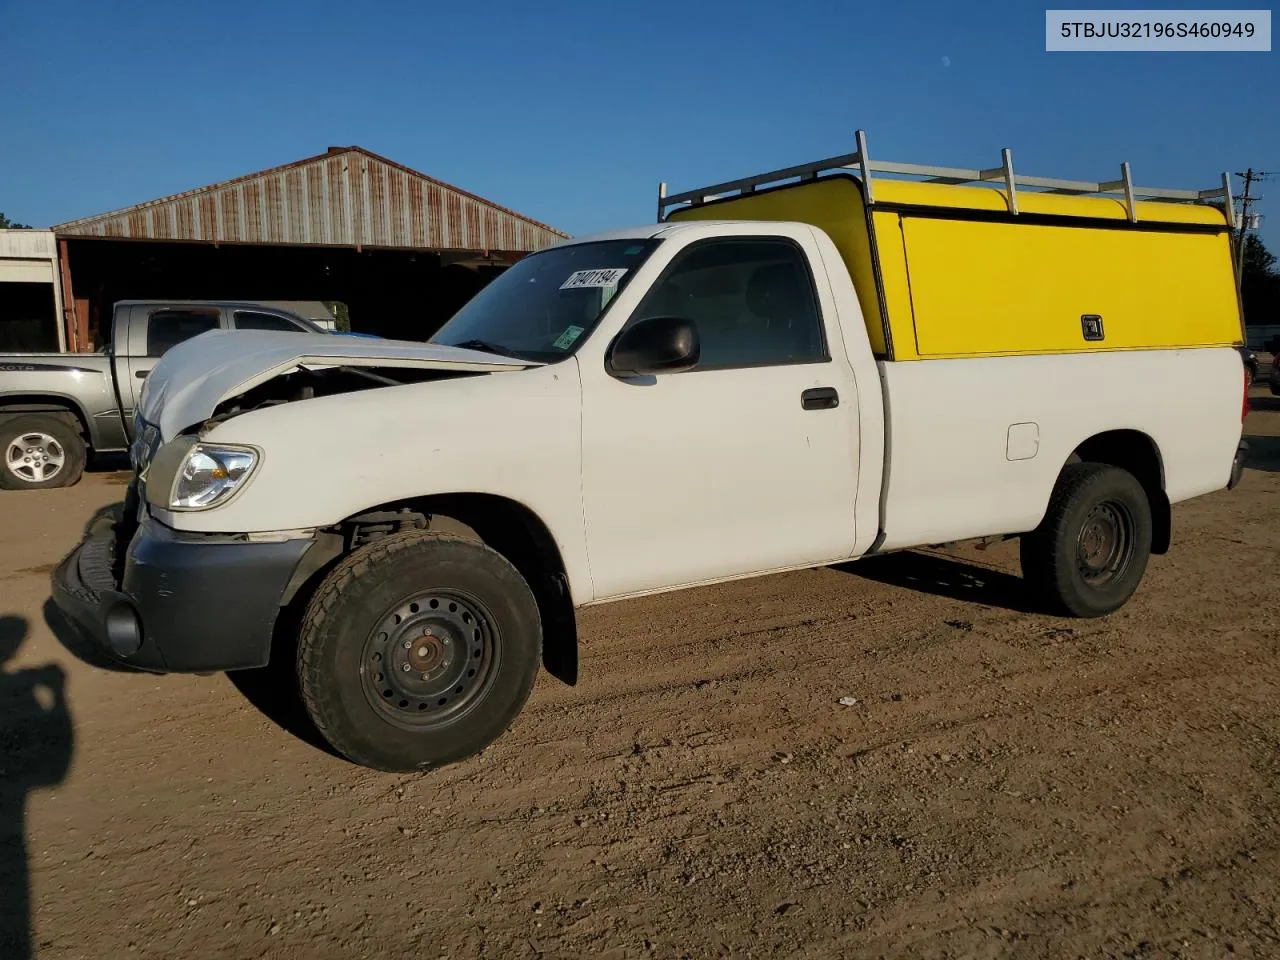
[542,308]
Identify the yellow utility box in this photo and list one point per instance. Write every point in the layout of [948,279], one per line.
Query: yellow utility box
[944,270]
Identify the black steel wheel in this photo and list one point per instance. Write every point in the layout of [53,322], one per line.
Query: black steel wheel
[1089,553]
[428,660]
[1104,546]
[418,650]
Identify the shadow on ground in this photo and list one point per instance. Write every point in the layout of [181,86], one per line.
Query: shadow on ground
[1264,452]
[273,691]
[36,743]
[945,577]
[115,464]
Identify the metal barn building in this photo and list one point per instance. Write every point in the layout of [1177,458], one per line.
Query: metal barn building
[401,250]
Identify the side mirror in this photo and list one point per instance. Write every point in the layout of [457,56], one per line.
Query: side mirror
[655,345]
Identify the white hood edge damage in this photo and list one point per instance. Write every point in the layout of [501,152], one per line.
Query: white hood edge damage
[192,378]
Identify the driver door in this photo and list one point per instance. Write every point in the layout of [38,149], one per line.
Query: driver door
[741,464]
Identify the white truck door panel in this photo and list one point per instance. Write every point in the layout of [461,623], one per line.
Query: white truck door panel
[742,464]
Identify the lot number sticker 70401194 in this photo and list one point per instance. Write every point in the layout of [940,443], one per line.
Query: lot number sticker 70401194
[605,277]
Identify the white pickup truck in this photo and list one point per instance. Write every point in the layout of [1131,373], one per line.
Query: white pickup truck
[654,408]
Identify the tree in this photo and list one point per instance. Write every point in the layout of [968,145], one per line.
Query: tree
[7,224]
[1259,278]
[1259,283]
[1258,260]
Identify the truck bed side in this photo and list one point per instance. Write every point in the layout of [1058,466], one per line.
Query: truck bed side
[975,445]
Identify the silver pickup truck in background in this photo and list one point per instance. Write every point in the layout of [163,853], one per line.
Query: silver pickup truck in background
[58,408]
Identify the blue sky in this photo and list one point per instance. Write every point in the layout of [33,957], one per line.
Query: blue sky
[571,112]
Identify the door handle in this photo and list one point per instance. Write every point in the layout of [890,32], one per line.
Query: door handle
[141,374]
[820,398]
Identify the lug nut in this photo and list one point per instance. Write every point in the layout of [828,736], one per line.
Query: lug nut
[426,676]
[408,644]
[406,668]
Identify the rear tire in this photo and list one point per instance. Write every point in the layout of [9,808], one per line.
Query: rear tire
[1090,551]
[40,451]
[417,651]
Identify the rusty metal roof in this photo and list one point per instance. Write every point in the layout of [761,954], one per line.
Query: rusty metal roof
[345,197]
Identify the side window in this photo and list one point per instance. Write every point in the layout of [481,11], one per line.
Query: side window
[250,320]
[168,328]
[752,300]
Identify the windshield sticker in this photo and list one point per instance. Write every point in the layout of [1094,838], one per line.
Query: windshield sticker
[607,277]
[566,339]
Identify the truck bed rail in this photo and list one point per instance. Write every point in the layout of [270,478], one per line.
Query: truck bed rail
[861,161]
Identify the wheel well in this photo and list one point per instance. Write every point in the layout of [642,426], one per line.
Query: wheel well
[1137,453]
[52,403]
[508,527]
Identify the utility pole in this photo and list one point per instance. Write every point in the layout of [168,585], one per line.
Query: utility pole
[1250,176]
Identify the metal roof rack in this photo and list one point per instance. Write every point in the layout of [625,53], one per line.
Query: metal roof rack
[861,161]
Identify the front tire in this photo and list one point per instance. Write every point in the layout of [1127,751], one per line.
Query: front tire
[1090,551]
[40,451]
[417,651]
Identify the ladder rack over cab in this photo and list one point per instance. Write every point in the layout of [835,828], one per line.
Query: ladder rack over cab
[968,263]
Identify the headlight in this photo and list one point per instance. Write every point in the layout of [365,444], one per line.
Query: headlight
[209,474]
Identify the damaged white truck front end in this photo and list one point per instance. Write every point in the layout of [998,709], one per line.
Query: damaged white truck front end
[404,519]
[194,574]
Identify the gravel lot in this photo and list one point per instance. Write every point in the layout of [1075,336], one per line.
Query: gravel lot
[1007,784]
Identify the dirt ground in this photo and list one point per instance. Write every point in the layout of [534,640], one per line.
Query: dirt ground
[1007,783]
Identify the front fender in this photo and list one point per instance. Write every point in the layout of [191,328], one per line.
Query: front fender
[514,435]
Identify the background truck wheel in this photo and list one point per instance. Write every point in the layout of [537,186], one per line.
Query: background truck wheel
[417,651]
[1089,553]
[39,451]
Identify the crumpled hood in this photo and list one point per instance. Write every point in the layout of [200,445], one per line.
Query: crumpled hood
[192,378]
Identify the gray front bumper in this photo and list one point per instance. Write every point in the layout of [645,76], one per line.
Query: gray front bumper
[178,603]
